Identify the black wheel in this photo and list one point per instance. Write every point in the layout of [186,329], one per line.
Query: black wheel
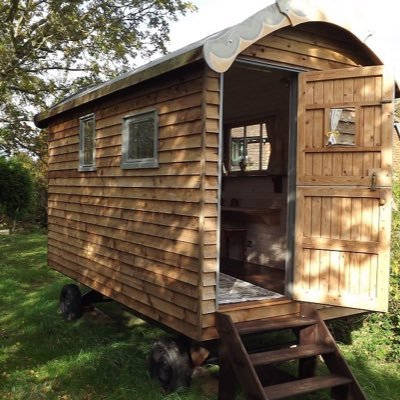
[71,302]
[169,363]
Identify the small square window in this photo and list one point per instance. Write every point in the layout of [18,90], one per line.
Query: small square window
[140,141]
[342,124]
[249,146]
[87,143]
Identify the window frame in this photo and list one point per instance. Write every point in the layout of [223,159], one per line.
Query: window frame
[145,162]
[82,166]
[397,127]
[229,141]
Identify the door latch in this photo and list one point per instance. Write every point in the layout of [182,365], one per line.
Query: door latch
[373,181]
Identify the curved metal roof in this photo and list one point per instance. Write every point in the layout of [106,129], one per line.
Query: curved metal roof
[219,50]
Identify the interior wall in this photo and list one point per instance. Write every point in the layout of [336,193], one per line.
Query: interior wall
[266,238]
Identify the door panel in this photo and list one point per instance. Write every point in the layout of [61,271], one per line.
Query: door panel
[343,200]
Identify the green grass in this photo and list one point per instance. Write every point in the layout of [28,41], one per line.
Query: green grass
[42,357]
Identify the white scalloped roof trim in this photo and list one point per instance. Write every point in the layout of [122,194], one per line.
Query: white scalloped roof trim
[221,51]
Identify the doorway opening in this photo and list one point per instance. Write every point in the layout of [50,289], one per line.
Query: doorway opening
[254,186]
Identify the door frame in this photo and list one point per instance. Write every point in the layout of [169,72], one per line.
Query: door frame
[292,161]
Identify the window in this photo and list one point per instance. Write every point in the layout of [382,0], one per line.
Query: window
[87,143]
[249,146]
[342,123]
[140,141]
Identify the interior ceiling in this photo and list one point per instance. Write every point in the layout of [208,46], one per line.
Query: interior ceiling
[254,92]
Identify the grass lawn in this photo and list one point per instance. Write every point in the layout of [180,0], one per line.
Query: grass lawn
[42,357]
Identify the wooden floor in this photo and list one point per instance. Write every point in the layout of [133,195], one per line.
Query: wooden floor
[260,275]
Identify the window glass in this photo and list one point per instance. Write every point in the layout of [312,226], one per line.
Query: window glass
[87,143]
[342,127]
[250,148]
[139,145]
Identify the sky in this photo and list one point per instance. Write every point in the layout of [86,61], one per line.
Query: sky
[380,21]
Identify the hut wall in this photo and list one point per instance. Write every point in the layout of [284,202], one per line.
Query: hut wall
[209,211]
[134,235]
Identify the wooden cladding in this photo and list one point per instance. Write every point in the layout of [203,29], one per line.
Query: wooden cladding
[300,47]
[137,235]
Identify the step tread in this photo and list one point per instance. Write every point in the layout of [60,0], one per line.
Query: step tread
[292,353]
[303,386]
[272,324]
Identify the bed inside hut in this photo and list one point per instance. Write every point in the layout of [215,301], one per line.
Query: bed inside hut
[254,184]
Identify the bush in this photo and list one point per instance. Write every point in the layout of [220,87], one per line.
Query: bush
[16,191]
[385,328]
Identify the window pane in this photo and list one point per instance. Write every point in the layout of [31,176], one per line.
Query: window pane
[342,127]
[253,139]
[141,139]
[266,147]
[250,148]
[88,141]
[237,148]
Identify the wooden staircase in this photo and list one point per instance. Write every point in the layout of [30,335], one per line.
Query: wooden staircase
[314,341]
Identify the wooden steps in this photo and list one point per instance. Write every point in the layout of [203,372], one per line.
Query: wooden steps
[273,324]
[292,353]
[314,342]
[304,386]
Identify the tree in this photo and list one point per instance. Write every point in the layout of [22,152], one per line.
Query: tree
[16,191]
[49,49]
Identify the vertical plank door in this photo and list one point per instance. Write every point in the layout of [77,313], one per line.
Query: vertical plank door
[343,190]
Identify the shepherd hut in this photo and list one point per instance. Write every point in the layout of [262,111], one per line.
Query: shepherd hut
[240,179]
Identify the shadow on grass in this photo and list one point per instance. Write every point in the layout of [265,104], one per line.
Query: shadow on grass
[43,357]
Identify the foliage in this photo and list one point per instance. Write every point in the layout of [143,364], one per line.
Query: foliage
[380,337]
[51,48]
[37,213]
[16,189]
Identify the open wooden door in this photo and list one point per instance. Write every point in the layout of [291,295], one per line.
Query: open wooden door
[343,200]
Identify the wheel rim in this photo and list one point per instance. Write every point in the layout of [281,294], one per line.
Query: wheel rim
[164,370]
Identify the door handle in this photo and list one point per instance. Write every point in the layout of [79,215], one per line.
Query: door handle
[373,181]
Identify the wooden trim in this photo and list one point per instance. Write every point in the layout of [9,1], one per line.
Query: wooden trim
[340,244]
[350,72]
[346,191]
[343,104]
[343,149]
